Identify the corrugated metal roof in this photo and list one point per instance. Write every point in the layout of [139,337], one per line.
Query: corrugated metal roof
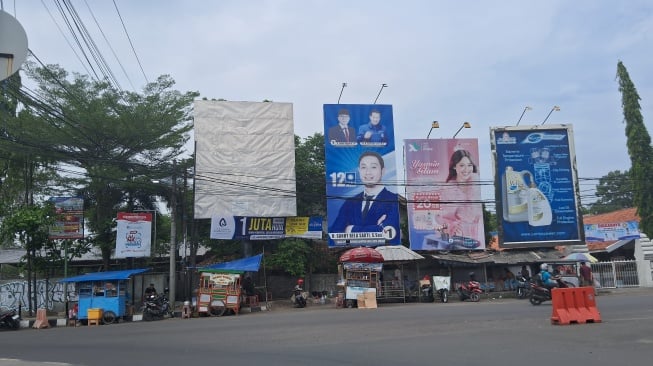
[509,256]
[397,253]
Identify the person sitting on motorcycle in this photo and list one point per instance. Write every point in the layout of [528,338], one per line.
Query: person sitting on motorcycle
[300,284]
[150,291]
[547,279]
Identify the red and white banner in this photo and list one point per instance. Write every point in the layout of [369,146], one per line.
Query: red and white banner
[134,234]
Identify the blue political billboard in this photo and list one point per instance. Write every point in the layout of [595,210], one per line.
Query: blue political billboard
[362,206]
[536,186]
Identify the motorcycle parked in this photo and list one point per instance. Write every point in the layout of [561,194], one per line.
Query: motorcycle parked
[9,319]
[298,297]
[524,288]
[426,290]
[541,293]
[470,290]
[157,307]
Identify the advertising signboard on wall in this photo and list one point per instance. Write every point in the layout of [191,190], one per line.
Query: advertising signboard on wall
[536,186]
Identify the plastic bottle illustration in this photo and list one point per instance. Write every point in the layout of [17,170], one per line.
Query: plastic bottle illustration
[515,193]
[539,208]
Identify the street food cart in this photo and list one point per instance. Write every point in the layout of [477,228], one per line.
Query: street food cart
[104,294]
[360,268]
[218,292]
[220,286]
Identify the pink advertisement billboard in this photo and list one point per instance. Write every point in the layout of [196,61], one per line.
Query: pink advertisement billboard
[444,194]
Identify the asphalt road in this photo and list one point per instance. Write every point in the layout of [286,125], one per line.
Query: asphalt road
[492,332]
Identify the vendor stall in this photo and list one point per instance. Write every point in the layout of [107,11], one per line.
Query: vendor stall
[220,287]
[103,294]
[360,268]
[398,256]
[218,292]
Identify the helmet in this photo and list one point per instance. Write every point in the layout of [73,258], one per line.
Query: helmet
[300,281]
[544,267]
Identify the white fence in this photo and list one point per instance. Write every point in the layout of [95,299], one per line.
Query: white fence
[615,274]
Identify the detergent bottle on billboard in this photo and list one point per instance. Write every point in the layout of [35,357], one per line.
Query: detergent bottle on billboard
[539,208]
[515,195]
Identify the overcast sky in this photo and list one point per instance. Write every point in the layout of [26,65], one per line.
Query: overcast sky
[451,61]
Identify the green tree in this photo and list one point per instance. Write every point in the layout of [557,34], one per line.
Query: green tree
[639,150]
[116,142]
[489,224]
[310,172]
[614,192]
[24,171]
[291,256]
[29,225]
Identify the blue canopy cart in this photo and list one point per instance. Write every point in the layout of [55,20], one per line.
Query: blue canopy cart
[220,286]
[103,290]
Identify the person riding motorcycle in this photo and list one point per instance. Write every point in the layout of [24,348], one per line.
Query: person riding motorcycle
[546,277]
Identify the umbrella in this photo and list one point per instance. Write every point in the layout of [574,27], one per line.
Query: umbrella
[581,257]
[362,254]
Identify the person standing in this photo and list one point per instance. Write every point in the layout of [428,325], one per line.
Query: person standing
[509,282]
[586,277]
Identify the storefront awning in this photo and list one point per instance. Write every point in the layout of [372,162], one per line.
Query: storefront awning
[612,247]
[249,264]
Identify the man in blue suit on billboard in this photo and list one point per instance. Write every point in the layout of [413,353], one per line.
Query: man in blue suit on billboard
[342,133]
[373,210]
[373,133]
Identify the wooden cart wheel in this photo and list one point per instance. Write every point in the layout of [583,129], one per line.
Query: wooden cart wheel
[217,310]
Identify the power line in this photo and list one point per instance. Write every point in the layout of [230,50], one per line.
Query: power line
[74,34]
[91,45]
[109,44]
[130,41]
[66,38]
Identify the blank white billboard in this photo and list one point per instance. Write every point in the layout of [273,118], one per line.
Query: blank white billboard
[245,155]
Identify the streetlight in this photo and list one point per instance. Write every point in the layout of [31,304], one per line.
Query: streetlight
[555,108]
[465,125]
[384,85]
[343,88]
[434,124]
[527,108]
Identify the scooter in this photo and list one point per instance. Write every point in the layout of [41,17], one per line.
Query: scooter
[157,307]
[426,290]
[524,288]
[9,319]
[541,293]
[470,290]
[298,297]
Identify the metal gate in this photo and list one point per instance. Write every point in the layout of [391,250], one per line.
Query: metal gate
[615,274]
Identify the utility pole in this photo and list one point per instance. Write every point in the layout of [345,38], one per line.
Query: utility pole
[173,234]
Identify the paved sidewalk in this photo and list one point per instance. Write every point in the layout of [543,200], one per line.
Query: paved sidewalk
[286,305]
